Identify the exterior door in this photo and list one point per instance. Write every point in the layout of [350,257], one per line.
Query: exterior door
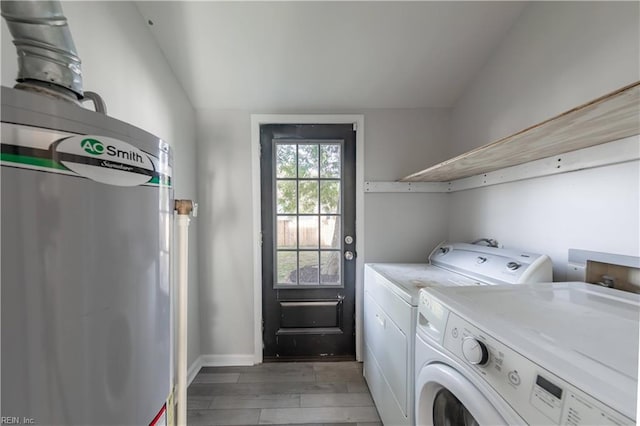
[308,245]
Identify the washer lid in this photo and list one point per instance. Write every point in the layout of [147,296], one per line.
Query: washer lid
[408,278]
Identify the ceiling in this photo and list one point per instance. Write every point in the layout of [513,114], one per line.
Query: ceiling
[331,55]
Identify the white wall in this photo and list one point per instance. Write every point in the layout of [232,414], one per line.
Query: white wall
[122,62]
[396,143]
[403,227]
[226,223]
[595,209]
[558,55]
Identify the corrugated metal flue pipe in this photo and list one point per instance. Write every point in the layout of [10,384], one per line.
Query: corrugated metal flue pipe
[47,57]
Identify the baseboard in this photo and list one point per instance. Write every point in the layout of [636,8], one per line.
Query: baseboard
[214,360]
[193,370]
[227,360]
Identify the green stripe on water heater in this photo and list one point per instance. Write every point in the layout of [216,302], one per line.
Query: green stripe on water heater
[160,180]
[51,164]
[32,161]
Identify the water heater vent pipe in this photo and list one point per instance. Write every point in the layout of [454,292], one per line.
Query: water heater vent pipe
[47,57]
[48,62]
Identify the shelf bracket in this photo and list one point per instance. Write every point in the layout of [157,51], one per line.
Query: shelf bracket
[423,187]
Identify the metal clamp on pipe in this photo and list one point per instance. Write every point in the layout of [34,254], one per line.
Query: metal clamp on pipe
[184,207]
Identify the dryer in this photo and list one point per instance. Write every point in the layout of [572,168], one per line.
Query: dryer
[390,309]
[547,353]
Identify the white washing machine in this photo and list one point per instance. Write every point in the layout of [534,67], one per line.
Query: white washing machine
[542,354]
[390,311]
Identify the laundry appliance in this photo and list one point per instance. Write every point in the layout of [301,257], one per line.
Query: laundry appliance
[547,353]
[390,310]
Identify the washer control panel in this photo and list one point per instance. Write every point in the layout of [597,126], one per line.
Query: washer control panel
[492,264]
[538,396]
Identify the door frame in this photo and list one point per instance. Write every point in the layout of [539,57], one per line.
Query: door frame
[256,121]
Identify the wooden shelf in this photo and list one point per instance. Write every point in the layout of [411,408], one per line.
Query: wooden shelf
[608,118]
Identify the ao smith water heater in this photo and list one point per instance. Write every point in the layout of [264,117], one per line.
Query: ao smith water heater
[87,217]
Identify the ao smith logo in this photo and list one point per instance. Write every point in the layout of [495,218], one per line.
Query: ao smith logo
[95,147]
[92,146]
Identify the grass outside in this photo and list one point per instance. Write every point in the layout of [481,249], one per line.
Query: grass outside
[287,263]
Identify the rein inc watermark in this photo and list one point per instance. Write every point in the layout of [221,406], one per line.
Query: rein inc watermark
[13,420]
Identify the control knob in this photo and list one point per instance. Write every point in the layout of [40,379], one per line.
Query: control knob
[475,351]
[512,266]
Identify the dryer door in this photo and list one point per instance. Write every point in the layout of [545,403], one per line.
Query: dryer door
[445,397]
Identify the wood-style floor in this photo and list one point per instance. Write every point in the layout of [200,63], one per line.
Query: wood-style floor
[318,393]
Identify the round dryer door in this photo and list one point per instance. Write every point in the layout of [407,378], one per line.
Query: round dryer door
[446,397]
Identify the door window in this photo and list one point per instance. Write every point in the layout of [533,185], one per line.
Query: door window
[308,219]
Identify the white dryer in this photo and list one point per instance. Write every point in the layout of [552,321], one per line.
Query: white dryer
[548,353]
[390,310]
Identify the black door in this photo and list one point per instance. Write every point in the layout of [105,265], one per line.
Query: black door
[308,247]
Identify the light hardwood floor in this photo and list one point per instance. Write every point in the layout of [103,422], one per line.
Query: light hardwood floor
[318,393]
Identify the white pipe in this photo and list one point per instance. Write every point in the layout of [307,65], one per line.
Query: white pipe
[182,239]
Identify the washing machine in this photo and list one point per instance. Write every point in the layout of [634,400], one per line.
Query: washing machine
[390,310]
[542,354]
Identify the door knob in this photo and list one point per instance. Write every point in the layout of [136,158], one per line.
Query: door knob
[348,255]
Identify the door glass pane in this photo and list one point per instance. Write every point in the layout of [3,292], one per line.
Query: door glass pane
[308,267]
[448,410]
[308,213]
[330,161]
[286,196]
[330,196]
[287,232]
[330,235]
[308,201]
[286,267]
[307,161]
[330,262]
[308,231]
[286,161]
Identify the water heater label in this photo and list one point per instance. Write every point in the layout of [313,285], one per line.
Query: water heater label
[105,160]
[99,158]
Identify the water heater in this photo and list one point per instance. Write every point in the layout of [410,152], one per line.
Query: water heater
[86,227]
